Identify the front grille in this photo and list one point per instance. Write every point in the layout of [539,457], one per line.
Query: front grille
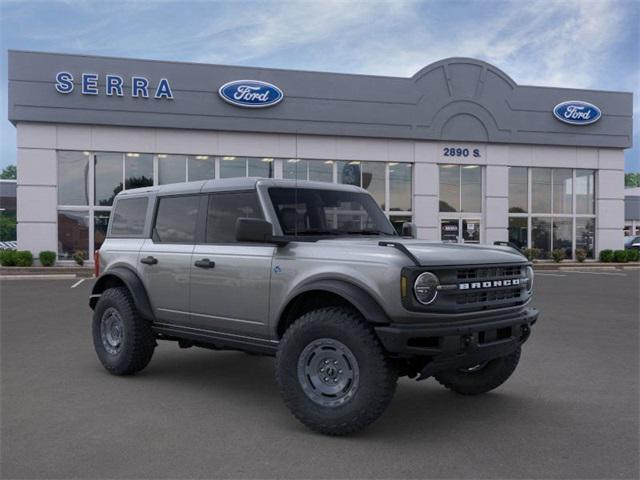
[488,297]
[489,273]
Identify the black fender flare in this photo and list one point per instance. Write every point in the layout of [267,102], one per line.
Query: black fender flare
[354,294]
[132,281]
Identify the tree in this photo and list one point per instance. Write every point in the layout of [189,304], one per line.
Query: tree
[632,180]
[9,173]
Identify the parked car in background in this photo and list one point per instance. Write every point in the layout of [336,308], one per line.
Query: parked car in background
[632,241]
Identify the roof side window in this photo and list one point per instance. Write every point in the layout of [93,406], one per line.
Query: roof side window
[128,217]
[224,209]
[176,219]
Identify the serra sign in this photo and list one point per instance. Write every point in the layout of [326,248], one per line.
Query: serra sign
[113,85]
[250,93]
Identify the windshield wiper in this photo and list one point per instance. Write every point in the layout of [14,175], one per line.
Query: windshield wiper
[367,232]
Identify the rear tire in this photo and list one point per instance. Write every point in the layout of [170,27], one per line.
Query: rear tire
[474,381]
[332,372]
[123,341]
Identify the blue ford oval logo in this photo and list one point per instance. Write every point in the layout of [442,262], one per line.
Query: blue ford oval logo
[577,112]
[251,93]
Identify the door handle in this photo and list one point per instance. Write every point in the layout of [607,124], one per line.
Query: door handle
[205,263]
[149,260]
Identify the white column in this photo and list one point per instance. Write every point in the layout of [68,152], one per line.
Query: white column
[37,195]
[426,191]
[610,200]
[496,204]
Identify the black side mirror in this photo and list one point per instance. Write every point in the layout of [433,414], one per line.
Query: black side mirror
[256,230]
[408,230]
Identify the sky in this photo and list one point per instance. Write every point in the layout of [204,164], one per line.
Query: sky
[565,43]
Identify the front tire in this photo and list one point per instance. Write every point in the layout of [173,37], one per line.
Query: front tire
[480,378]
[332,372]
[123,341]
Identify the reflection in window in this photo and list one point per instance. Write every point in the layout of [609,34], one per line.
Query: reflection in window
[585,235]
[562,235]
[398,221]
[400,186]
[471,231]
[315,170]
[373,179]
[518,190]
[108,177]
[349,173]
[541,235]
[201,167]
[562,190]
[73,234]
[294,168]
[100,224]
[471,192]
[260,167]
[223,212]
[585,192]
[541,190]
[138,170]
[172,169]
[518,232]
[176,219]
[73,178]
[320,170]
[449,188]
[231,167]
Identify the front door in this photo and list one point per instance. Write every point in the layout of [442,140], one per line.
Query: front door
[460,230]
[230,280]
[165,259]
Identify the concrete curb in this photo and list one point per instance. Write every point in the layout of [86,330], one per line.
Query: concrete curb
[52,276]
[585,266]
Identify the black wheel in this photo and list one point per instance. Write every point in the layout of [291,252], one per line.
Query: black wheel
[332,372]
[480,378]
[123,340]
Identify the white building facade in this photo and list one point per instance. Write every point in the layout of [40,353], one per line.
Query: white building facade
[481,160]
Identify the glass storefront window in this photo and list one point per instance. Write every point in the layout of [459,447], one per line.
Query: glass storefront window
[541,235]
[73,233]
[201,167]
[400,177]
[100,224]
[73,178]
[320,170]
[471,190]
[518,231]
[518,190]
[138,170]
[450,230]
[373,179]
[108,177]
[585,235]
[294,168]
[260,167]
[562,235]
[398,220]
[349,173]
[449,188]
[585,192]
[471,231]
[231,167]
[562,190]
[172,169]
[541,190]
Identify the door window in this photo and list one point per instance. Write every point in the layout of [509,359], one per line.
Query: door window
[176,219]
[224,209]
[450,230]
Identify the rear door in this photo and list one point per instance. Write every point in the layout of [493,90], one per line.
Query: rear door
[230,280]
[165,258]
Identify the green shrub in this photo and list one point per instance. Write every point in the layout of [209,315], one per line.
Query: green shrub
[620,256]
[8,258]
[531,253]
[78,256]
[47,258]
[581,254]
[606,256]
[558,255]
[24,258]
[633,255]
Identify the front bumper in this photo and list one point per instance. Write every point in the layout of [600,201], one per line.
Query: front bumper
[453,345]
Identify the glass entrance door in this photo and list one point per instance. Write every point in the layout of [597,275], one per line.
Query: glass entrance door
[460,230]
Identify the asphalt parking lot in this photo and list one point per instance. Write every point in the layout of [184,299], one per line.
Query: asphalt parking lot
[569,411]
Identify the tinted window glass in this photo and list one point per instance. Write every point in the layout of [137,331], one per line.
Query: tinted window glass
[73,178]
[449,188]
[128,217]
[224,209]
[471,188]
[108,177]
[541,190]
[171,169]
[73,234]
[176,219]
[518,190]
[201,167]
[138,170]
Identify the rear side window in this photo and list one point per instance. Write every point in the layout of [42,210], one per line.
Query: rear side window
[128,217]
[224,209]
[176,219]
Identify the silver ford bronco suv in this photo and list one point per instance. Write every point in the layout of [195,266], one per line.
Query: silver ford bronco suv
[314,274]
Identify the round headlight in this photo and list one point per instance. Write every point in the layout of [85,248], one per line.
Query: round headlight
[529,273]
[425,288]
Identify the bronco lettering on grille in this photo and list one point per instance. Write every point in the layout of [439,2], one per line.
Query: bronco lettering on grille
[489,284]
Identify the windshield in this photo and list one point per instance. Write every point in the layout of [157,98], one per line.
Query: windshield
[317,212]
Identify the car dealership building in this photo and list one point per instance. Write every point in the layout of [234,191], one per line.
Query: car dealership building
[459,148]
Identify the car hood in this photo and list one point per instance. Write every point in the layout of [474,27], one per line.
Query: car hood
[438,253]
